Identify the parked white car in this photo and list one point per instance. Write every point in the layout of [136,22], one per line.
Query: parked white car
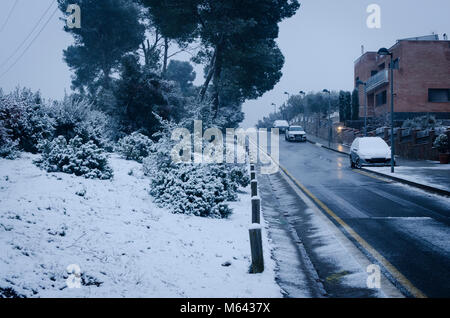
[369,151]
[295,133]
[282,125]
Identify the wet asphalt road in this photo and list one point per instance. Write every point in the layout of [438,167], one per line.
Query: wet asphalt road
[408,227]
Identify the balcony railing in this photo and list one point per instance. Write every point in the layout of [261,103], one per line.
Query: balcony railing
[377,80]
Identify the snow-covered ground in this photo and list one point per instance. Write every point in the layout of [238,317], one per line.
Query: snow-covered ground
[124,245]
[414,174]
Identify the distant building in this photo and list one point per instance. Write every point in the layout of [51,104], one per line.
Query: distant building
[421,80]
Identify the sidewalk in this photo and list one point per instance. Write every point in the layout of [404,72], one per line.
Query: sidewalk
[428,175]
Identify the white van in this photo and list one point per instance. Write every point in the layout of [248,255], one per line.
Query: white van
[282,125]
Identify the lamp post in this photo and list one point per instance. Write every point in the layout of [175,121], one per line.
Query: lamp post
[286,105]
[329,116]
[385,52]
[302,93]
[358,83]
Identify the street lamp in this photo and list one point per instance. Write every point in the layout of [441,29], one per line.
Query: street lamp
[302,93]
[286,105]
[329,116]
[359,83]
[274,108]
[385,52]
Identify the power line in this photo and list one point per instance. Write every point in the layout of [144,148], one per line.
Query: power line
[29,34]
[31,43]
[9,15]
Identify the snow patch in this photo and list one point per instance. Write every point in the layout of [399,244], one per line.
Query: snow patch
[124,245]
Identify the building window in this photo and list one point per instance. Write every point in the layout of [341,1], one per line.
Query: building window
[373,73]
[381,98]
[382,66]
[439,95]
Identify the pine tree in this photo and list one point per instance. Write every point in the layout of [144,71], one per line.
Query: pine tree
[237,41]
[110,29]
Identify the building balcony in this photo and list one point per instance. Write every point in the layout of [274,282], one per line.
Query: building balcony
[379,79]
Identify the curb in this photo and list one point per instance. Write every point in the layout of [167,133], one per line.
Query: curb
[411,183]
[424,187]
[332,149]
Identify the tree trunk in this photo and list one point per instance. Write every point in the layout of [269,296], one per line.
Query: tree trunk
[166,54]
[208,77]
[217,75]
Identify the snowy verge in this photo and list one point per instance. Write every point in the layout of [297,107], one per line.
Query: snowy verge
[124,245]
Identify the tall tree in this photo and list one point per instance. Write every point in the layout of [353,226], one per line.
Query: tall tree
[110,29]
[355,105]
[181,72]
[342,112]
[237,39]
[348,105]
[139,95]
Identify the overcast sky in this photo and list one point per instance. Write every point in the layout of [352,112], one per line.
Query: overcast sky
[320,44]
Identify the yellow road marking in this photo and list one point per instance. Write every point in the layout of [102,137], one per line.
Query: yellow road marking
[380,258]
[391,268]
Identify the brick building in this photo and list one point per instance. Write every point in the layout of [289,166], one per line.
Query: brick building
[421,79]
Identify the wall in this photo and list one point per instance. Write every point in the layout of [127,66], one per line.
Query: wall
[409,144]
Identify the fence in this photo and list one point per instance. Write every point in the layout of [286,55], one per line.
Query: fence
[409,143]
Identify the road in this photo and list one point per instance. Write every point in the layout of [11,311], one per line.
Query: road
[407,227]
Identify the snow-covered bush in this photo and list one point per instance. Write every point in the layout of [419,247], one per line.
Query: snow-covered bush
[75,157]
[75,117]
[24,122]
[197,189]
[421,123]
[135,147]
[8,147]
[441,143]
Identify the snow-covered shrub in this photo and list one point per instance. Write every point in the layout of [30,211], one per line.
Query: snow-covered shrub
[135,147]
[197,189]
[441,143]
[421,123]
[24,121]
[75,117]
[75,157]
[8,147]
[191,189]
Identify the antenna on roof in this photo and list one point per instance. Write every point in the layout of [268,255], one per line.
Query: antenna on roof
[362,49]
